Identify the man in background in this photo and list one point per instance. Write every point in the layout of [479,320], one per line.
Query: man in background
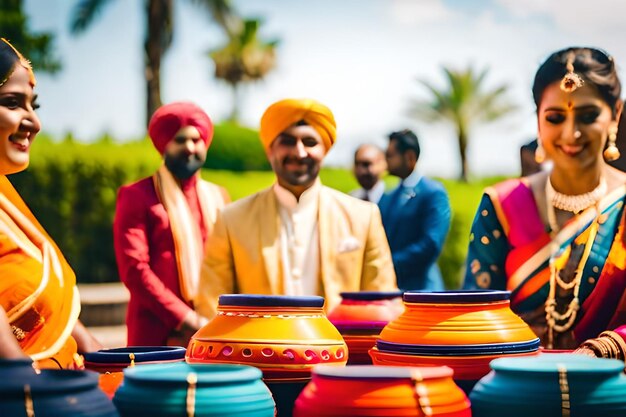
[369,166]
[161,225]
[416,216]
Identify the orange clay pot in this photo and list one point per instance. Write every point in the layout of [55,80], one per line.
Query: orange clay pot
[281,335]
[457,318]
[382,391]
[110,363]
[361,316]
[464,330]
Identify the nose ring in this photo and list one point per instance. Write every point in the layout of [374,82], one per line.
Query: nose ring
[577,134]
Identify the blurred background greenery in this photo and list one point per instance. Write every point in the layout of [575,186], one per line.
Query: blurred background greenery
[71,187]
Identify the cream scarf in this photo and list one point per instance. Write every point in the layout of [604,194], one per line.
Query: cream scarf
[186,234]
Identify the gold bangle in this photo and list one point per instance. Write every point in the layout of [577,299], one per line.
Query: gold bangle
[584,350]
[621,343]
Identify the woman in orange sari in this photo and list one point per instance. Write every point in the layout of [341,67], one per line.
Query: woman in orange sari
[39,302]
[555,239]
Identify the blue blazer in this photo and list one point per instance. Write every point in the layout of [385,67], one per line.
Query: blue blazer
[417,221]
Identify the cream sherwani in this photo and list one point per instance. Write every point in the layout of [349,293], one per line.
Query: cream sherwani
[243,254]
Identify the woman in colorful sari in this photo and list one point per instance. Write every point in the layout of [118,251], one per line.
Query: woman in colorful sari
[39,303]
[555,239]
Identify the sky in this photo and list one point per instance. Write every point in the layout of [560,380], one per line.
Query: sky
[362,58]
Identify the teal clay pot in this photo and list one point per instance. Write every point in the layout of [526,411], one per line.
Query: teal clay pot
[548,385]
[168,390]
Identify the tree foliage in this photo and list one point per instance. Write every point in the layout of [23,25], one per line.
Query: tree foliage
[464,101]
[36,47]
[159,34]
[244,58]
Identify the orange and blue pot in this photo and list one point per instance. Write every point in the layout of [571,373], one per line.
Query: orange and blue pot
[464,330]
[110,363]
[361,316]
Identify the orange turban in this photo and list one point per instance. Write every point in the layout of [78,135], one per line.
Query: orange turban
[285,113]
[170,118]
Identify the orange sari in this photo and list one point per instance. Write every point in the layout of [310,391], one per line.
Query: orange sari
[37,285]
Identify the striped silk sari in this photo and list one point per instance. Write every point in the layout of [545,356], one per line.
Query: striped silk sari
[510,249]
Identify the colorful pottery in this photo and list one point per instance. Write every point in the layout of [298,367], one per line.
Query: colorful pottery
[464,330]
[283,336]
[551,385]
[111,362]
[50,393]
[361,316]
[180,389]
[382,391]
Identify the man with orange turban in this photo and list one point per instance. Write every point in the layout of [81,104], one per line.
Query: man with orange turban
[296,237]
[161,225]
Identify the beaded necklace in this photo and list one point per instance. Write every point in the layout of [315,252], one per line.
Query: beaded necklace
[575,203]
[553,317]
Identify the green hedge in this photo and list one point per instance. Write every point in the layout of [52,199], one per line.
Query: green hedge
[71,188]
[236,148]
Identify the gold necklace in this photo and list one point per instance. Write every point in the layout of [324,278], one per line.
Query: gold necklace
[572,203]
[575,203]
[569,316]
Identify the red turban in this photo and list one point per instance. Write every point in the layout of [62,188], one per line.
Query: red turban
[170,118]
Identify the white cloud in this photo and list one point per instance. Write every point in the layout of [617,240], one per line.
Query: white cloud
[411,12]
[574,16]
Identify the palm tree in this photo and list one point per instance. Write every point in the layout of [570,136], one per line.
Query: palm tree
[244,58]
[463,102]
[38,48]
[159,34]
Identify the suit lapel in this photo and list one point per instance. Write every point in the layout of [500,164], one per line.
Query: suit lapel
[270,224]
[399,204]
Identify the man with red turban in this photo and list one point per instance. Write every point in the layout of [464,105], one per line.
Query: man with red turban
[297,237]
[161,225]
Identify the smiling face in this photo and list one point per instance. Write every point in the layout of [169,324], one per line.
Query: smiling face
[18,122]
[296,156]
[573,127]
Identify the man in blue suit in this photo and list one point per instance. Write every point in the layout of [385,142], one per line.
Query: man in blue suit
[416,217]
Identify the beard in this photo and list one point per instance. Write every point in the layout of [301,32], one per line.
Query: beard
[367,181]
[305,174]
[183,168]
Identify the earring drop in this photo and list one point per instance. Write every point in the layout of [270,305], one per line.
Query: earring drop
[540,153]
[611,153]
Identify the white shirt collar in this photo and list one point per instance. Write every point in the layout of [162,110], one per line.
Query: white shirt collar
[287,200]
[413,179]
[376,192]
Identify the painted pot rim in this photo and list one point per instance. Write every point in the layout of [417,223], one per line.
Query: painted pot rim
[459,350]
[370,326]
[456,297]
[49,381]
[552,363]
[370,295]
[359,372]
[206,373]
[256,300]
[141,353]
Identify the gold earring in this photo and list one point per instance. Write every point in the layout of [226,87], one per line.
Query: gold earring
[540,153]
[611,153]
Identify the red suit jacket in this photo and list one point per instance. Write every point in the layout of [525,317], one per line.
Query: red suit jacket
[144,248]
